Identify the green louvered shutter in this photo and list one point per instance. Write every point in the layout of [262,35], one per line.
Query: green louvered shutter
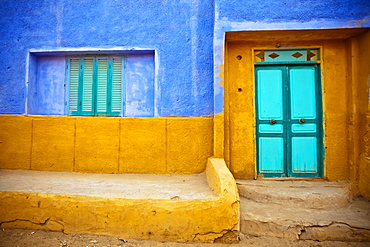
[95,86]
[102,86]
[87,87]
[73,85]
[116,91]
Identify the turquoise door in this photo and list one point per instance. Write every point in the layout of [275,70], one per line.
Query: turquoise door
[289,122]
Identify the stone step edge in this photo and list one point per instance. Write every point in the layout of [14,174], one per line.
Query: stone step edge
[349,223]
[314,201]
[334,231]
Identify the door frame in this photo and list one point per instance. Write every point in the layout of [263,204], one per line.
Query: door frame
[234,123]
[287,134]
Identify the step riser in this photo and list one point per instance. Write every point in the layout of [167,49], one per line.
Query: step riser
[306,194]
[161,220]
[331,232]
[336,232]
[315,201]
[303,210]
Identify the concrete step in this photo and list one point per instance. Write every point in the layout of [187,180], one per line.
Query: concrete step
[303,210]
[348,223]
[307,194]
[186,208]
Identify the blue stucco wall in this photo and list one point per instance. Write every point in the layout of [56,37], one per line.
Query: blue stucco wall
[46,91]
[180,32]
[187,37]
[293,10]
[139,89]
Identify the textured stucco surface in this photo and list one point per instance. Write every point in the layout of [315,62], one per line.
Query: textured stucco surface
[290,10]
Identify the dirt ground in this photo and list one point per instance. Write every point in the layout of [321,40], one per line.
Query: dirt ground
[39,238]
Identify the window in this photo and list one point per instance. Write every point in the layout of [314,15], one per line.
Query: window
[121,83]
[95,85]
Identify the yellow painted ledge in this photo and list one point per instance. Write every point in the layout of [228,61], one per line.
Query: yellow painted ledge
[157,219]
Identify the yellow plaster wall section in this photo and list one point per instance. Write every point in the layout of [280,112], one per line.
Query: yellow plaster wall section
[240,125]
[189,143]
[97,144]
[15,142]
[53,141]
[106,145]
[364,79]
[164,220]
[143,140]
[335,108]
[219,134]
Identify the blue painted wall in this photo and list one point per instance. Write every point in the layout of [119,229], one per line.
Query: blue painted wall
[139,89]
[293,10]
[186,35]
[180,32]
[46,90]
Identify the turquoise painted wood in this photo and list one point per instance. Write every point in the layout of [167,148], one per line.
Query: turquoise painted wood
[73,71]
[116,86]
[87,85]
[102,89]
[304,154]
[289,122]
[95,86]
[268,128]
[271,153]
[270,94]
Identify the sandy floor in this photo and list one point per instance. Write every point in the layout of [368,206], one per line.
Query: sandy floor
[38,238]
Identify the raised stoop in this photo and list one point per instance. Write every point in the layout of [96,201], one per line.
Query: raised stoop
[307,194]
[183,208]
[306,210]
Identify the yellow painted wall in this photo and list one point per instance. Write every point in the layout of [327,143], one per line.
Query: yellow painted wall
[140,142]
[52,143]
[15,142]
[219,133]
[364,114]
[336,96]
[338,87]
[159,219]
[106,145]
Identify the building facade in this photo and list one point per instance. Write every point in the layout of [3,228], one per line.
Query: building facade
[277,89]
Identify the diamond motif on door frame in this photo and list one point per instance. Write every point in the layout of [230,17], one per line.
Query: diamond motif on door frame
[261,56]
[274,55]
[310,55]
[297,55]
